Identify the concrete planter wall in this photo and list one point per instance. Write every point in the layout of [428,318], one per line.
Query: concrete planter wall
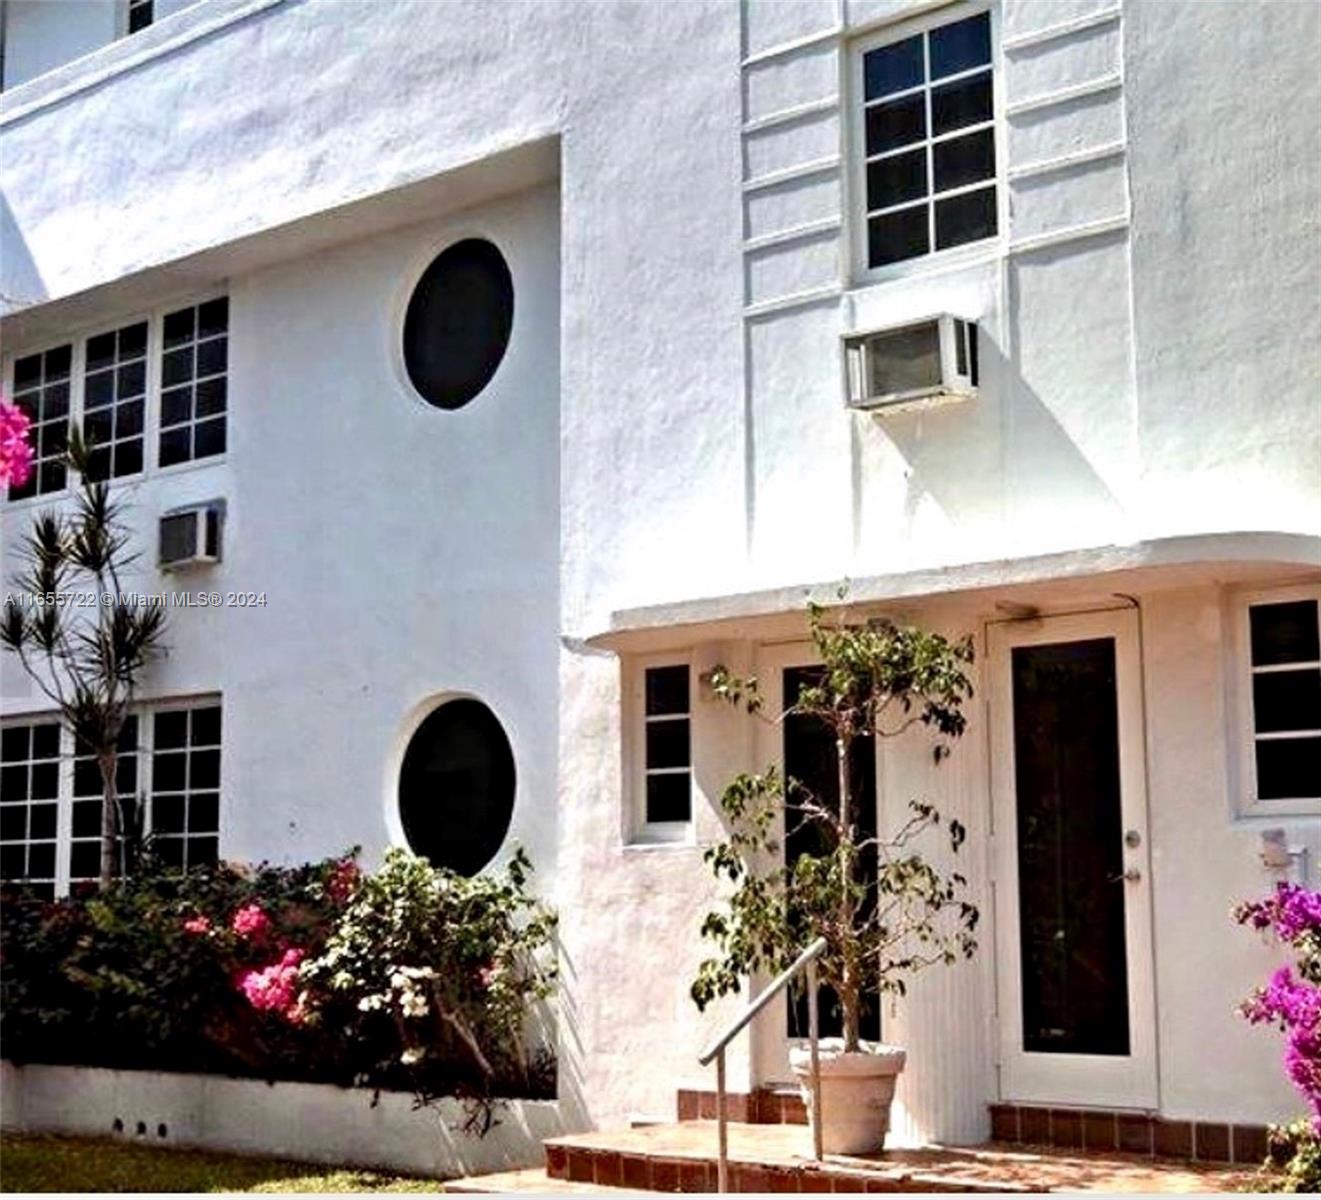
[313,1122]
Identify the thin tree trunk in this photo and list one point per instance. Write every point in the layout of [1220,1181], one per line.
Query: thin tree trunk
[848,988]
[108,764]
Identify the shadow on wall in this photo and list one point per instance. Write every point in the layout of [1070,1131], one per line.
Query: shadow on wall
[20,282]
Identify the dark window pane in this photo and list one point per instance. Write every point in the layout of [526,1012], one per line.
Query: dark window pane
[100,390]
[53,476]
[167,772]
[960,46]
[1284,633]
[132,380]
[100,351]
[667,744]
[128,457]
[133,340]
[667,690]
[27,372]
[966,218]
[58,362]
[45,780]
[13,822]
[206,726]
[13,862]
[209,438]
[204,769]
[204,813]
[213,317]
[41,861]
[212,357]
[176,446]
[15,743]
[98,426]
[176,406]
[85,860]
[128,419]
[964,160]
[669,797]
[203,851]
[211,397]
[98,463]
[167,814]
[170,852]
[896,124]
[139,15]
[892,68]
[171,729]
[86,778]
[86,818]
[177,367]
[41,822]
[178,327]
[46,740]
[895,179]
[897,235]
[13,783]
[127,741]
[126,774]
[963,103]
[1289,769]
[1283,700]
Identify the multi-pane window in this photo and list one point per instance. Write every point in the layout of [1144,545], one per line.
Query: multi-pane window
[41,389]
[1285,656]
[115,400]
[928,131]
[50,814]
[185,785]
[29,803]
[88,790]
[194,363]
[667,749]
[140,14]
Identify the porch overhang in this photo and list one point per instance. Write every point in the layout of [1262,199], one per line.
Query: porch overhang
[1074,576]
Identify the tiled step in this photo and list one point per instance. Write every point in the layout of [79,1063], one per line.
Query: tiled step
[777,1158]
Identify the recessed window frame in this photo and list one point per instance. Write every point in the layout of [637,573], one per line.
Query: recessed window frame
[856,147]
[78,340]
[146,714]
[639,830]
[134,19]
[1244,735]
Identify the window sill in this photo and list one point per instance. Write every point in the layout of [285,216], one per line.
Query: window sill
[941,261]
[660,837]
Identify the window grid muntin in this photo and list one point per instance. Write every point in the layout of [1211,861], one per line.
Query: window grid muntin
[933,198]
[50,433]
[1254,671]
[120,404]
[196,845]
[192,427]
[15,849]
[649,719]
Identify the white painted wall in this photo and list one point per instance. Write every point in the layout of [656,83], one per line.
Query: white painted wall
[1144,380]
[42,34]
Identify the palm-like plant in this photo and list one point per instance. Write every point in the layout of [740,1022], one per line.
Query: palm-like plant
[78,635]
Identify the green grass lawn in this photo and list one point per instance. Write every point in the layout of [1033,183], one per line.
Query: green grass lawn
[41,1163]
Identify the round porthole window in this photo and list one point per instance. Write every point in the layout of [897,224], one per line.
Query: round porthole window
[457,326]
[456,787]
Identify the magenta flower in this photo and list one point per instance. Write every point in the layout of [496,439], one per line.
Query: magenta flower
[274,988]
[251,921]
[197,925]
[15,448]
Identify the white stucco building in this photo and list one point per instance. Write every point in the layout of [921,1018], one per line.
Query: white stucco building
[515,344]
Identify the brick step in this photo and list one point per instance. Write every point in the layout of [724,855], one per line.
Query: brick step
[531,1182]
[771,1104]
[777,1158]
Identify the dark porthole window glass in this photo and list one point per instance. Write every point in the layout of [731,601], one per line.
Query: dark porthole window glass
[456,787]
[457,327]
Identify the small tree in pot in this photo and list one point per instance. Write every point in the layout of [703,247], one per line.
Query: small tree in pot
[884,911]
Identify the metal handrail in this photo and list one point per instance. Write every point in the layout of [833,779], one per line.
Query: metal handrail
[805,961]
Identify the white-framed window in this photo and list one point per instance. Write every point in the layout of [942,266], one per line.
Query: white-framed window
[1279,657]
[169,784]
[662,736]
[926,163]
[141,13]
[150,393]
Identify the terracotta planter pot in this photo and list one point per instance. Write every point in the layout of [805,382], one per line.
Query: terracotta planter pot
[856,1091]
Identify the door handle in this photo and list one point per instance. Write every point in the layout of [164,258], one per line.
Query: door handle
[1132,875]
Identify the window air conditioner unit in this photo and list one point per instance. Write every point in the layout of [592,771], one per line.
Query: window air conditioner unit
[912,366]
[190,536]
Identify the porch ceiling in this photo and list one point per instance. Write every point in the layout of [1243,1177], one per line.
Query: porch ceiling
[1075,577]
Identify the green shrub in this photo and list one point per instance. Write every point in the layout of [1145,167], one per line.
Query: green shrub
[1295,1151]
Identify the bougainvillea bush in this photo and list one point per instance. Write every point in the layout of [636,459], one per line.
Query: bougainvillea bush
[1291,1001]
[411,978]
[15,445]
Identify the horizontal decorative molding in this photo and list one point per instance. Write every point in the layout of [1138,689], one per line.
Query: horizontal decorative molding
[781,49]
[799,233]
[122,55]
[1090,87]
[787,116]
[1051,33]
[820,166]
[796,300]
[1048,166]
[1073,233]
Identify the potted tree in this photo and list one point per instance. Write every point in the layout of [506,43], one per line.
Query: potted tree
[884,910]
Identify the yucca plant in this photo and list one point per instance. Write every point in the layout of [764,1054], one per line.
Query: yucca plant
[80,637]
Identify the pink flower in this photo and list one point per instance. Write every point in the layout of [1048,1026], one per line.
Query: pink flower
[251,921]
[15,449]
[274,988]
[197,925]
[343,881]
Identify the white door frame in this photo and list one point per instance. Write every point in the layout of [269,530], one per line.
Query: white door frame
[1077,1079]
